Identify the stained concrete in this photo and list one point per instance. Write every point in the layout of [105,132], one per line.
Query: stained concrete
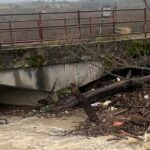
[19,96]
[43,78]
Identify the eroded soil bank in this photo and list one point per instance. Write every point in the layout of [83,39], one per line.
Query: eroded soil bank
[45,133]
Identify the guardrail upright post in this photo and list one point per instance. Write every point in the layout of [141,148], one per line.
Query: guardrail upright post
[79,24]
[90,22]
[40,27]
[66,31]
[11,33]
[114,28]
[145,22]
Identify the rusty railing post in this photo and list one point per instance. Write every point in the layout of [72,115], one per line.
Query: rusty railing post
[11,33]
[90,23]
[40,27]
[114,29]
[79,24]
[145,22]
[114,26]
[66,31]
[0,45]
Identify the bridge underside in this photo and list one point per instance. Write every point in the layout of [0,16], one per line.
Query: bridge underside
[20,96]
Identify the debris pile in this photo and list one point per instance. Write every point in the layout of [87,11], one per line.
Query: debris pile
[125,114]
[114,106]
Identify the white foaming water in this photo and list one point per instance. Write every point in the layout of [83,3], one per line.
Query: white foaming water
[45,134]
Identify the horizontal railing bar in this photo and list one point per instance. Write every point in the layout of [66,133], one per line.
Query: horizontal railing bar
[86,18]
[71,25]
[15,21]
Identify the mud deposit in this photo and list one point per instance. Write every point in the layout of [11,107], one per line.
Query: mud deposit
[34,133]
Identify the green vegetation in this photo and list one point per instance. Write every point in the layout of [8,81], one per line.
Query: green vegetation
[135,48]
[99,39]
[147,48]
[103,39]
[54,42]
[64,92]
[138,48]
[3,65]
[35,61]
[108,60]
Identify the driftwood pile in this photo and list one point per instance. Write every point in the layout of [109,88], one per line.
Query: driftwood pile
[127,113]
[121,108]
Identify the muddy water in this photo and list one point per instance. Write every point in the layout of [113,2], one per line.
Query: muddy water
[45,134]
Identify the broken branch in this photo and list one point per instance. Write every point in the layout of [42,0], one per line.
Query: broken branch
[111,90]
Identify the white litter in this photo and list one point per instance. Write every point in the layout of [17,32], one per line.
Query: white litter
[118,79]
[96,104]
[146,96]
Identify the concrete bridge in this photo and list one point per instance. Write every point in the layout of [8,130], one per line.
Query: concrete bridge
[28,74]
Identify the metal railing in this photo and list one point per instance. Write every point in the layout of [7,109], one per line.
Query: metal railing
[72,26]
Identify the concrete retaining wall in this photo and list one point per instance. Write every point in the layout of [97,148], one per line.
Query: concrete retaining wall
[43,78]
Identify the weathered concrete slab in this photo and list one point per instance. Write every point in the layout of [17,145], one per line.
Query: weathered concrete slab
[20,96]
[43,78]
[42,55]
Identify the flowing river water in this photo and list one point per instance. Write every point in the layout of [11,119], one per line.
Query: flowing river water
[34,133]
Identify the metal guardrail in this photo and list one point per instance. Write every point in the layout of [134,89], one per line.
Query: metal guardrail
[79,21]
